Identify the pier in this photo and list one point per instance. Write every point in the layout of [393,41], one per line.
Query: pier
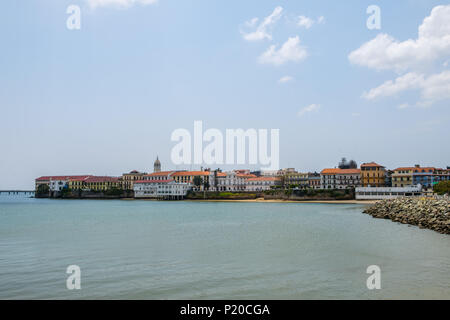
[17,192]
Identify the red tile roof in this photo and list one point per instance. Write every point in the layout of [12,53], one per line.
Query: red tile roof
[47,178]
[340,171]
[191,173]
[158,174]
[152,181]
[264,179]
[95,179]
[415,168]
[371,164]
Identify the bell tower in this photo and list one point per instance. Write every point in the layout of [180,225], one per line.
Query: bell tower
[157,165]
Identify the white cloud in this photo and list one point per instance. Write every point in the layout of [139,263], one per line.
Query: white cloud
[386,53]
[392,87]
[403,106]
[285,79]
[291,50]
[118,3]
[310,108]
[263,30]
[433,88]
[307,22]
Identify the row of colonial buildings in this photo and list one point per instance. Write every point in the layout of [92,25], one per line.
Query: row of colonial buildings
[175,184]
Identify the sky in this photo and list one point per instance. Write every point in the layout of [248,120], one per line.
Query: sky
[105,98]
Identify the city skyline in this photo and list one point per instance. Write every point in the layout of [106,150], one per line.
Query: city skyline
[104,99]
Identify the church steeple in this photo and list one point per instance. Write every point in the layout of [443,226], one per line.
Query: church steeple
[157,165]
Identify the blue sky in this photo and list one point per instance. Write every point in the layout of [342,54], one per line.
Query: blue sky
[105,99]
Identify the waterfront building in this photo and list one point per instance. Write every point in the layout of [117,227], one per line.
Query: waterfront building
[97,183]
[233,181]
[340,178]
[403,176]
[297,179]
[262,183]
[56,183]
[188,177]
[157,165]
[314,180]
[425,176]
[373,175]
[128,179]
[380,193]
[165,189]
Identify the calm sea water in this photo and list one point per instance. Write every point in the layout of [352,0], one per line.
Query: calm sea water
[191,250]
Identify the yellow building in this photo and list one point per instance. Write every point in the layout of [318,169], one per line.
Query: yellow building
[94,183]
[128,179]
[296,178]
[403,177]
[373,175]
[188,176]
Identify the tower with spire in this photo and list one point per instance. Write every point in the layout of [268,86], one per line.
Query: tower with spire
[157,165]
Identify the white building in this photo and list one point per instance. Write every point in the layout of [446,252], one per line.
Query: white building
[340,178]
[57,184]
[160,189]
[262,183]
[368,193]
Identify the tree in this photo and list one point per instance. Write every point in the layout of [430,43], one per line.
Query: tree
[206,185]
[442,187]
[344,164]
[198,181]
[43,190]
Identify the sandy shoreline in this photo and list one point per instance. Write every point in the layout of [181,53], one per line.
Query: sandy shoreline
[261,200]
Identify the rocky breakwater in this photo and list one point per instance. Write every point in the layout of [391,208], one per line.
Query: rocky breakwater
[429,213]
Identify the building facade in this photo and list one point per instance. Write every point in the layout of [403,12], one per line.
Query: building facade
[296,179]
[314,180]
[373,175]
[262,183]
[128,179]
[160,189]
[374,193]
[340,178]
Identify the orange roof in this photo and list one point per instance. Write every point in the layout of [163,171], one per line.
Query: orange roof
[247,176]
[94,179]
[264,179]
[415,168]
[157,174]
[191,173]
[340,171]
[371,164]
[46,178]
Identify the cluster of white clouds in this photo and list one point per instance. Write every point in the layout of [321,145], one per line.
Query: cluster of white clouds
[118,3]
[433,88]
[264,29]
[290,50]
[307,22]
[286,79]
[308,109]
[410,59]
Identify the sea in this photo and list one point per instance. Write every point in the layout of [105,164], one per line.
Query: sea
[137,249]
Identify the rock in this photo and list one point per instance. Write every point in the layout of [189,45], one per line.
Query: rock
[430,213]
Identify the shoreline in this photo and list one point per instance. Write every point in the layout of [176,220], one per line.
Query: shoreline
[261,200]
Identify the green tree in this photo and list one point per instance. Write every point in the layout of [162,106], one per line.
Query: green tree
[442,188]
[198,181]
[43,190]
